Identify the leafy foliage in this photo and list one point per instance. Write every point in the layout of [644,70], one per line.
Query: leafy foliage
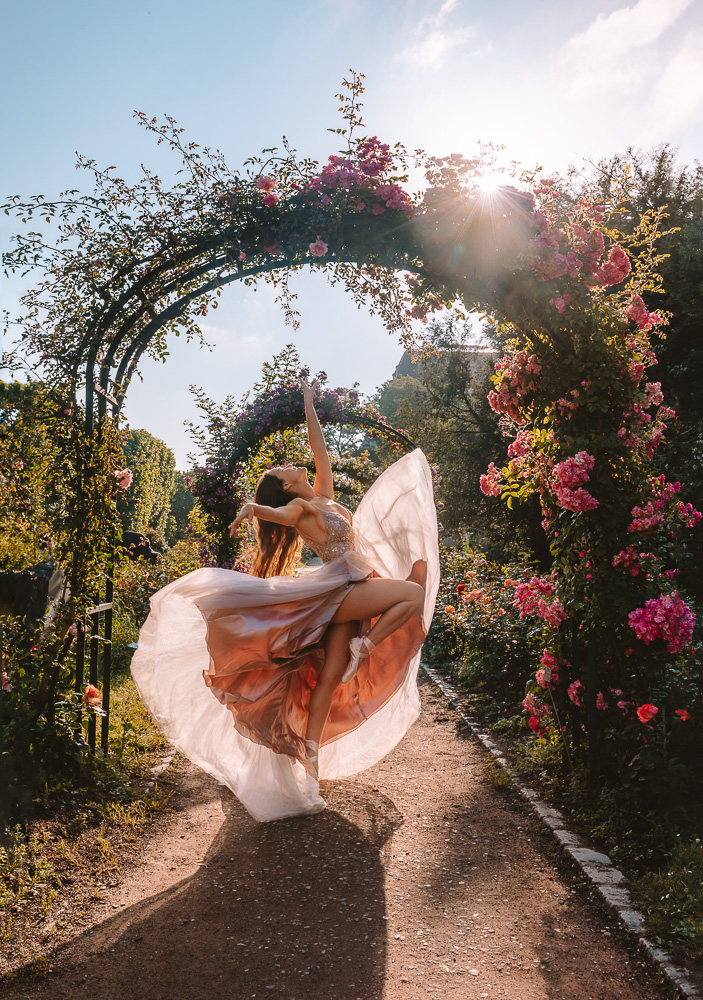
[147,503]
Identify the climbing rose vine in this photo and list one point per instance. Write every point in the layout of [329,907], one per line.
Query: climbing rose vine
[585,420]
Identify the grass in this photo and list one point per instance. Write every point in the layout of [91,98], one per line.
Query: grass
[77,843]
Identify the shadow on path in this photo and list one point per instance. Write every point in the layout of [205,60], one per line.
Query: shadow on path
[293,910]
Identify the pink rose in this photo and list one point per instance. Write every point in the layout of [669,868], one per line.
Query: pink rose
[6,686]
[573,692]
[646,712]
[73,629]
[266,183]
[242,255]
[91,695]
[270,200]
[124,478]
[682,713]
[318,248]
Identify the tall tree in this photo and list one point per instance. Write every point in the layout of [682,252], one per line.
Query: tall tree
[441,401]
[147,502]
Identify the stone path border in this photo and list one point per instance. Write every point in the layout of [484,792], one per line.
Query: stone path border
[598,868]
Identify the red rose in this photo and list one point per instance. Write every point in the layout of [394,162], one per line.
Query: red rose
[646,712]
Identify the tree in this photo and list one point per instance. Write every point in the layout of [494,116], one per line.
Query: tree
[441,400]
[148,502]
[181,506]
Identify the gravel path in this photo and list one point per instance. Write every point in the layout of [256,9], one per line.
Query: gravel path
[421,879]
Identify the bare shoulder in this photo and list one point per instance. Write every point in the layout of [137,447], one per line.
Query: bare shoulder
[301,507]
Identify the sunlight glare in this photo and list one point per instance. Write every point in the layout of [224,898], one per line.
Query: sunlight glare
[490,182]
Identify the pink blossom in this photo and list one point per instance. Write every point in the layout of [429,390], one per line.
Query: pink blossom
[573,471]
[601,703]
[628,560]
[266,183]
[124,478]
[490,481]
[242,255]
[547,678]
[667,617]
[532,705]
[521,445]
[270,200]
[73,629]
[6,685]
[537,726]
[576,500]
[318,248]
[682,713]
[531,599]
[638,313]
[573,692]
[91,695]
[616,268]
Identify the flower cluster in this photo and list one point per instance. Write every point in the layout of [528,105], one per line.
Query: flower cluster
[532,599]
[651,515]
[538,710]
[628,560]
[638,313]
[490,481]
[667,617]
[362,176]
[555,253]
[515,380]
[547,675]
[567,478]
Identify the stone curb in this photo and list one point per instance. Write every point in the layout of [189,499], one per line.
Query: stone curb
[598,868]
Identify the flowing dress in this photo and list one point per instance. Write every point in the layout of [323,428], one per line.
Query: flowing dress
[226,662]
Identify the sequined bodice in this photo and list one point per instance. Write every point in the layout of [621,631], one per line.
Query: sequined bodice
[340,536]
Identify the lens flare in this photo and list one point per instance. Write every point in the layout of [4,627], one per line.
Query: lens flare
[490,182]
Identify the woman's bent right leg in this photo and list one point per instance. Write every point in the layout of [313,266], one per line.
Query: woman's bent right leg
[395,601]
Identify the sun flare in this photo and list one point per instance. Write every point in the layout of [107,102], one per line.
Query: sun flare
[490,182]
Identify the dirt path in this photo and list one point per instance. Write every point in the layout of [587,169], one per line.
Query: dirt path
[421,879]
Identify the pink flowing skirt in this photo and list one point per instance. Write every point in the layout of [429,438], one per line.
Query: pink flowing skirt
[226,662]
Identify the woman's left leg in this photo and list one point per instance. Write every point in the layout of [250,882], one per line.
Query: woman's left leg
[336,645]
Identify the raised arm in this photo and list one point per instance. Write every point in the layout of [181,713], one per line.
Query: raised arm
[324,485]
[289,515]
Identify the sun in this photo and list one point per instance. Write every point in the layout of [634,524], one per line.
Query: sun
[489,183]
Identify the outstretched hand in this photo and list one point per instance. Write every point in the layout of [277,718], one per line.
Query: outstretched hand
[309,390]
[245,514]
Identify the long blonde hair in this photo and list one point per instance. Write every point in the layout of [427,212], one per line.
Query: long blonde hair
[279,545]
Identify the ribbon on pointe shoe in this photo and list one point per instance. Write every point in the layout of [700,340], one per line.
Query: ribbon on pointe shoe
[359,649]
[310,763]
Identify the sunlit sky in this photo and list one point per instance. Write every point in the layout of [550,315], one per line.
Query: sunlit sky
[554,82]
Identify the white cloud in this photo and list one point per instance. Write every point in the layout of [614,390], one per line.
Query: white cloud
[610,52]
[435,39]
[677,99]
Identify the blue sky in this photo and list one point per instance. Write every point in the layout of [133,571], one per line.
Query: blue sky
[554,82]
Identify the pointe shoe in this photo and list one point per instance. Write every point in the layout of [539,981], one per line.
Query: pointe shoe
[310,763]
[359,649]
